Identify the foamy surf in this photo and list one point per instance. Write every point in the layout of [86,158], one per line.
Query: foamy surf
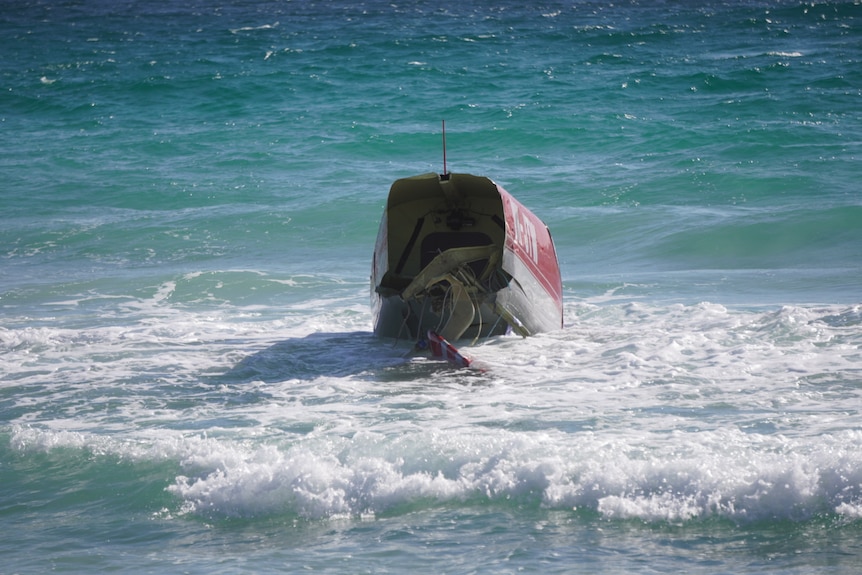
[674,477]
[661,414]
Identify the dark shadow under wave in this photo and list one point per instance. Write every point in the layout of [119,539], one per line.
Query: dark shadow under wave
[320,354]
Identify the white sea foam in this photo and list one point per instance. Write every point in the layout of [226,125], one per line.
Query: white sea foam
[688,476]
[785,54]
[254,28]
[672,414]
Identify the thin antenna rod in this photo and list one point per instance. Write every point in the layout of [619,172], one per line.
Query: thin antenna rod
[444,148]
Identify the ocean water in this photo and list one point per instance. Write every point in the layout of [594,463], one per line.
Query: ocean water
[190,195]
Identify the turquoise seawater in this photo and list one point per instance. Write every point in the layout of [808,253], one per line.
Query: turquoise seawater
[190,196]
